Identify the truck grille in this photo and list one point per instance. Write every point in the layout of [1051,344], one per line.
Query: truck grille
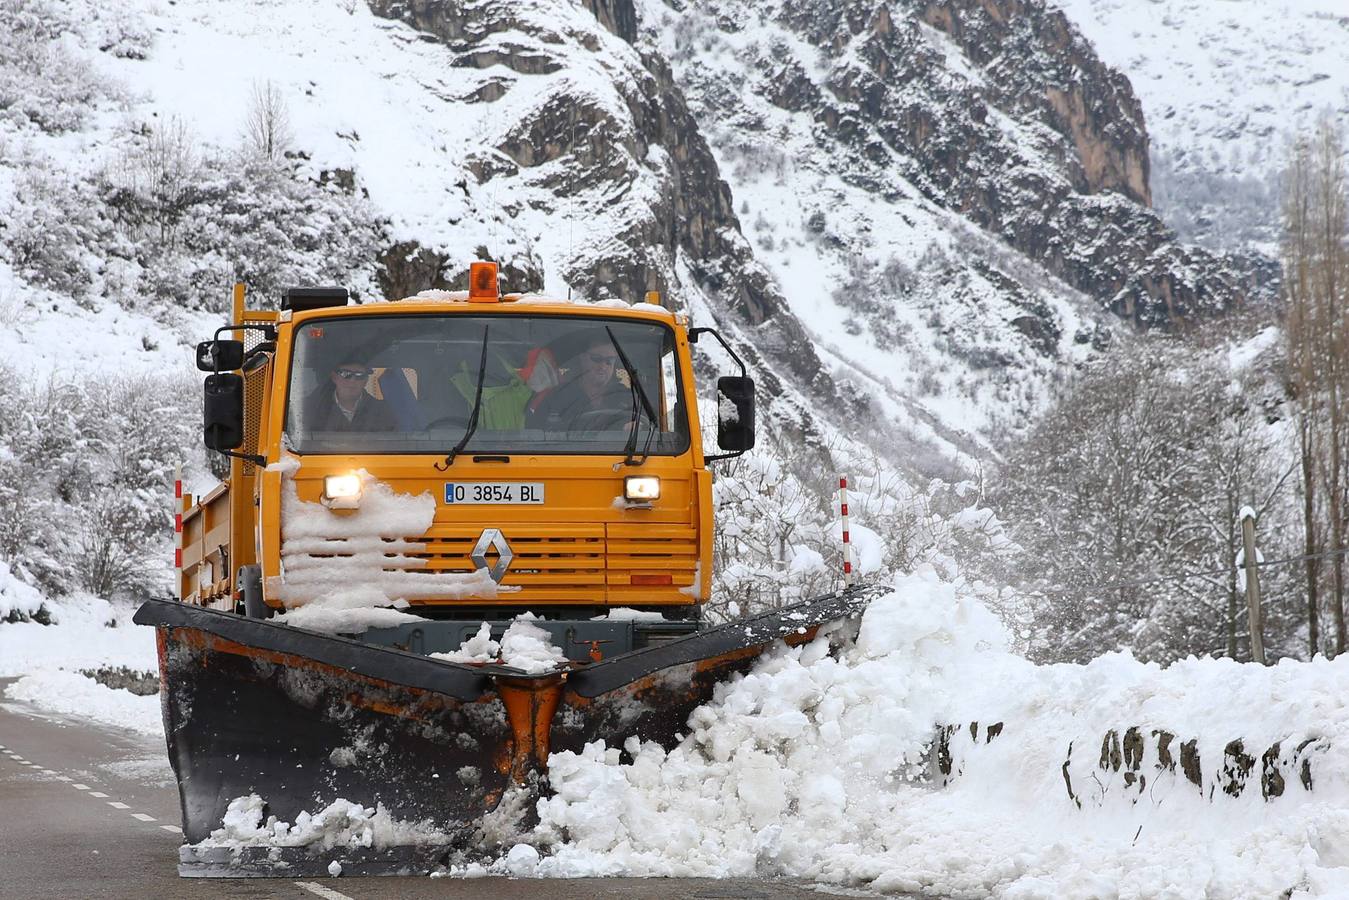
[559,563]
[566,563]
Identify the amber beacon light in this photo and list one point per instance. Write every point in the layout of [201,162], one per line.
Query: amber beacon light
[482,282]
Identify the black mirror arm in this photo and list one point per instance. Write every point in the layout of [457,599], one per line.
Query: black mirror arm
[268,334]
[254,458]
[716,456]
[693,339]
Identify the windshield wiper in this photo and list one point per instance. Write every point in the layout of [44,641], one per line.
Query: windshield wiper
[477,407]
[638,392]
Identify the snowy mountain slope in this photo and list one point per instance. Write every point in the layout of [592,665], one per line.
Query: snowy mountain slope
[541,134]
[931,217]
[1225,86]
[949,194]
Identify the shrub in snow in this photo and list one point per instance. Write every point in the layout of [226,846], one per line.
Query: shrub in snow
[1138,471]
[18,601]
[53,231]
[778,537]
[86,478]
[41,83]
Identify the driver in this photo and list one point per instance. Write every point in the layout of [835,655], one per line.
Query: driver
[590,387]
[345,404]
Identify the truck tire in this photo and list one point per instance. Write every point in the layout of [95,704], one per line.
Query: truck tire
[250,584]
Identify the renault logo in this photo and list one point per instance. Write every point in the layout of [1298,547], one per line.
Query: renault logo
[492,539]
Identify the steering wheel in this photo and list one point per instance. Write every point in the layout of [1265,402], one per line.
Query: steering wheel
[600,420]
[447,420]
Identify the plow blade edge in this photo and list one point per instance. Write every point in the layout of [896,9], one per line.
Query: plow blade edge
[302,719]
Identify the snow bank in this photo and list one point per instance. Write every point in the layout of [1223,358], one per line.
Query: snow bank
[339,824]
[89,633]
[16,598]
[76,695]
[815,765]
[343,571]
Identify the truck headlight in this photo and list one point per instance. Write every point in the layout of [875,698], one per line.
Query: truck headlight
[641,487]
[342,491]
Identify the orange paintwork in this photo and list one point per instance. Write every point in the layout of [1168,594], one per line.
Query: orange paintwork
[580,548]
[530,705]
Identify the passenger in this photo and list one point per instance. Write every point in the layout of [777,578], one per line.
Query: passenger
[590,390]
[346,405]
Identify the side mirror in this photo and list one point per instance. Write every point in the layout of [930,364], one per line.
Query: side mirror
[735,413]
[223,410]
[221,356]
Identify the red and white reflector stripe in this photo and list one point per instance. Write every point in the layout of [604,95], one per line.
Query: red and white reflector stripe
[847,543]
[178,531]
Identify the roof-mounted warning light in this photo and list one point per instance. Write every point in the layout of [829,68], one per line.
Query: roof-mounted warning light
[482,283]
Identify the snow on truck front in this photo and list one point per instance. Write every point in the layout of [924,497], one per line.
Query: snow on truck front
[470,462]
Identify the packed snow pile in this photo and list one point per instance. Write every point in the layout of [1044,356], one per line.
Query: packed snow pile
[349,571]
[524,646]
[18,601]
[86,632]
[817,764]
[339,824]
[73,694]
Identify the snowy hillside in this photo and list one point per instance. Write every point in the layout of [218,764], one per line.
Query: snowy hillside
[1225,86]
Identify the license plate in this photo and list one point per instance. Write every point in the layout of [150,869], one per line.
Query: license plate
[460,492]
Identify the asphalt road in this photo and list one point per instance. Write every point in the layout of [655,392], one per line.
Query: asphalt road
[91,812]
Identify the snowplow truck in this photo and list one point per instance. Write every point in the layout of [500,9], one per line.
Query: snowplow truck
[406,480]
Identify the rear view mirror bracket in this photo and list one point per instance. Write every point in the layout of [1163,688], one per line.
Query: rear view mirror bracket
[736,433]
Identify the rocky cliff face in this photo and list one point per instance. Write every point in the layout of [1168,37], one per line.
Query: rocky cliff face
[611,152]
[997,110]
[957,186]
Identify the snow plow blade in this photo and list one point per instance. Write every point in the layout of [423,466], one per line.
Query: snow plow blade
[302,719]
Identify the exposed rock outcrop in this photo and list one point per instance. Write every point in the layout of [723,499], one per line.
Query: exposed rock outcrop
[667,214]
[997,110]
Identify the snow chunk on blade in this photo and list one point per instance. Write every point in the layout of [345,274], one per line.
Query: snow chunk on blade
[524,646]
[339,824]
[528,647]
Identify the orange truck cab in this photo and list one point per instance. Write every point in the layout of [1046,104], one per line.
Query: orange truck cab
[465,457]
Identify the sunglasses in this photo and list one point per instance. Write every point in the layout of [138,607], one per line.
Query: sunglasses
[351,374]
[600,359]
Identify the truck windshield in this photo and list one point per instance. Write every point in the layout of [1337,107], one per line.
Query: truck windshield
[550,384]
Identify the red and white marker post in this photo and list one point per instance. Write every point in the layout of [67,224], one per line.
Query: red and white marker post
[847,543]
[178,531]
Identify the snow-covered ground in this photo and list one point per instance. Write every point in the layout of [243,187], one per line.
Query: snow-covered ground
[86,633]
[819,764]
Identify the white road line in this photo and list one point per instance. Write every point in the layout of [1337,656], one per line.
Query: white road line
[174,828]
[143,817]
[48,772]
[99,794]
[63,778]
[326,893]
[115,805]
[80,787]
